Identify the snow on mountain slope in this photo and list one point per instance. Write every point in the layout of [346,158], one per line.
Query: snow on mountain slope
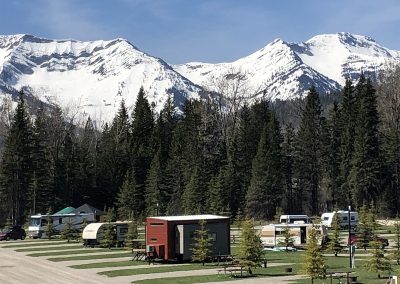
[89,78]
[286,70]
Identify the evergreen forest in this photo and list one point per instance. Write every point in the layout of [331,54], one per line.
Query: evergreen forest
[201,160]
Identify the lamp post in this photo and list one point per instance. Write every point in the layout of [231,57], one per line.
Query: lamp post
[349,236]
[157,209]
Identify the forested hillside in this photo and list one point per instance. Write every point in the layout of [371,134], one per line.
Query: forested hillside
[207,160]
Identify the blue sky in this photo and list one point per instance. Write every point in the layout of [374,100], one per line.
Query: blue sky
[179,31]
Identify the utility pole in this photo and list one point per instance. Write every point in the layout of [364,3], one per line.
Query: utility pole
[351,266]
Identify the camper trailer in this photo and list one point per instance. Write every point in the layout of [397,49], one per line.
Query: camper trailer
[292,219]
[93,233]
[38,223]
[327,218]
[272,235]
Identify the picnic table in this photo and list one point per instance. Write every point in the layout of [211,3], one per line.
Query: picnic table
[139,254]
[234,270]
[347,277]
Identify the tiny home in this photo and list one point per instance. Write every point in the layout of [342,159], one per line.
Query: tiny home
[272,235]
[291,219]
[327,218]
[93,233]
[171,237]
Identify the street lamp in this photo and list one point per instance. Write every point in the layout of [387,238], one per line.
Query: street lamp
[349,236]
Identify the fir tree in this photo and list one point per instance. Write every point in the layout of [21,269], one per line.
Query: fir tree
[308,154]
[130,200]
[68,233]
[16,165]
[250,246]
[132,236]
[378,262]
[287,240]
[366,158]
[49,230]
[266,188]
[313,263]
[202,244]
[153,188]
[288,167]
[334,244]
[109,236]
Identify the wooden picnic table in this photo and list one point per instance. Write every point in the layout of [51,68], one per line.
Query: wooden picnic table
[232,269]
[346,276]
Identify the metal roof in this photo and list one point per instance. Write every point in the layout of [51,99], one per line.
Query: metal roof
[189,217]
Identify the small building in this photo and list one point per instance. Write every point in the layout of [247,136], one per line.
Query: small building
[171,237]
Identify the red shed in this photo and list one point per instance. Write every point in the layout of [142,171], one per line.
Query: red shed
[171,237]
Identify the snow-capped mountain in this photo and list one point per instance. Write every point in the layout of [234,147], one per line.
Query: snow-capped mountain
[286,70]
[88,78]
[91,78]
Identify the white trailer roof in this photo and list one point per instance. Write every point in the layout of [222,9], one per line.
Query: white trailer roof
[190,217]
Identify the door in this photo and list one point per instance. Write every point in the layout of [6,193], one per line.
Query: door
[303,235]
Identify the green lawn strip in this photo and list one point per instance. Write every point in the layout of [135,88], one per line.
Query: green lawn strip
[68,252]
[257,273]
[49,248]
[37,244]
[159,269]
[88,257]
[108,264]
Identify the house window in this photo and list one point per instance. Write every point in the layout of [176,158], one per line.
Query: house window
[212,236]
[352,218]
[345,218]
[59,220]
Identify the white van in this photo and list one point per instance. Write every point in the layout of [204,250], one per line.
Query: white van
[294,219]
[327,218]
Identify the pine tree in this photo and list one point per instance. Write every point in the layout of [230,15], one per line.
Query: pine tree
[250,246]
[334,244]
[348,117]
[130,200]
[287,166]
[266,188]
[141,141]
[314,262]
[308,155]
[49,230]
[153,188]
[68,233]
[202,244]
[193,196]
[378,262]
[132,236]
[109,236]
[16,166]
[287,240]
[366,164]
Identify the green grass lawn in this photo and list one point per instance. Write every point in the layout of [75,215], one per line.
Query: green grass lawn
[88,257]
[257,273]
[159,269]
[37,244]
[108,264]
[48,248]
[71,252]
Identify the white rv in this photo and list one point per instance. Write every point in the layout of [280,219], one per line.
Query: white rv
[93,233]
[327,218]
[292,219]
[272,235]
[38,223]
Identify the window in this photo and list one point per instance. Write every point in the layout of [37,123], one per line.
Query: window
[59,220]
[326,218]
[156,224]
[352,218]
[212,236]
[153,240]
[345,218]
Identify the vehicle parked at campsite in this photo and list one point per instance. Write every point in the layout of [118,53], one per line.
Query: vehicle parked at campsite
[12,233]
[294,219]
[93,233]
[328,217]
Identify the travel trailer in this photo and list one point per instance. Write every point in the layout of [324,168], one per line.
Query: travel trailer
[327,218]
[272,235]
[291,219]
[93,233]
[38,223]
